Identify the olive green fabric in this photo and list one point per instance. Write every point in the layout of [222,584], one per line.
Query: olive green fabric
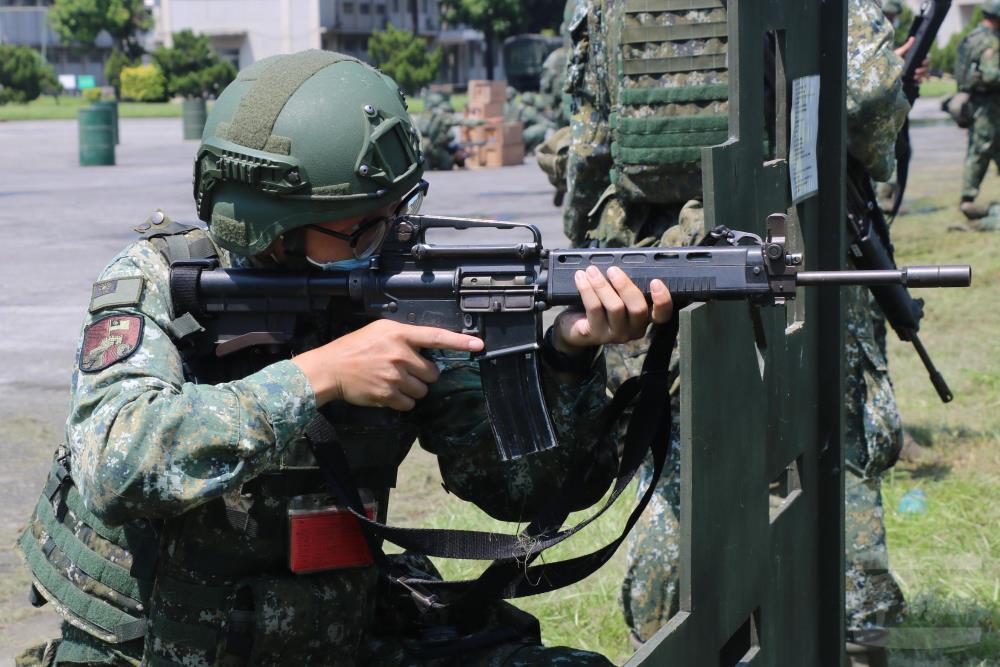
[85,568]
[275,79]
[671,84]
[302,139]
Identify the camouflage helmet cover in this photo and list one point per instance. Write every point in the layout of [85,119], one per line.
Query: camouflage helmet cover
[991,8]
[302,139]
[892,7]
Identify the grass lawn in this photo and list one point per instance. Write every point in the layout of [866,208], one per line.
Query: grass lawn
[947,560]
[416,104]
[938,87]
[47,108]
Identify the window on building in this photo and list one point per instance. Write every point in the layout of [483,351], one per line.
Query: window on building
[395,6]
[426,6]
[365,9]
[380,10]
[348,7]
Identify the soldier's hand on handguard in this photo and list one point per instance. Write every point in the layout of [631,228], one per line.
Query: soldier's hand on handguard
[380,364]
[615,311]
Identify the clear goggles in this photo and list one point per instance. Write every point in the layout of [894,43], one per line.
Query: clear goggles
[366,237]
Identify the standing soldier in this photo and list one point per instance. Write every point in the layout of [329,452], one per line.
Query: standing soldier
[625,190]
[977,72]
[186,522]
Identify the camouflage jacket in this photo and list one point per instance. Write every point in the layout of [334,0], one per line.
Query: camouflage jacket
[876,104]
[973,72]
[148,442]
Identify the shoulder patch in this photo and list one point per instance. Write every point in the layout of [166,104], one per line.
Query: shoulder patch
[116,293]
[110,340]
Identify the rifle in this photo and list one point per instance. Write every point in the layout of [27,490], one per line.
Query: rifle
[871,249]
[924,30]
[499,292]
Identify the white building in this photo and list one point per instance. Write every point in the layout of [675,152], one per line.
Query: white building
[243,31]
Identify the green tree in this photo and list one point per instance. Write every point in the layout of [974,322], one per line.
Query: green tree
[81,21]
[943,59]
[192,67]
[405,57]
[23,74]
[496,18]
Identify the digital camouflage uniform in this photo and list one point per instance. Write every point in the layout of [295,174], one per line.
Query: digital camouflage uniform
[597,213]
[977,70]
[876,109]
[615,200]
[211,452]
[553,153]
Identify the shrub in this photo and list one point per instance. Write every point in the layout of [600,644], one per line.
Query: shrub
[143,83]
[92,94]
[113,70]
[23,74]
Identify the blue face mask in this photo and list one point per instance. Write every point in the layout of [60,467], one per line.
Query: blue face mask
[341,264]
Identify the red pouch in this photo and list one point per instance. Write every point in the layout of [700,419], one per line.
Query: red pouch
[324,536]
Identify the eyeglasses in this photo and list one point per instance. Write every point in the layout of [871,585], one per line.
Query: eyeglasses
[366,237]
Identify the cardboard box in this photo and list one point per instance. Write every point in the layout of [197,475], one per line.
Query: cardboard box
[492,155]
[484,110]
[494,131]
[484,91]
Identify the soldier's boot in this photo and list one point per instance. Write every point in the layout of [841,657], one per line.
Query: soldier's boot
[859,655]
[970,210]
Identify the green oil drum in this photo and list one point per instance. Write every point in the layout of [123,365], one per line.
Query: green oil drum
[97,138]
[193,112]
[113,105]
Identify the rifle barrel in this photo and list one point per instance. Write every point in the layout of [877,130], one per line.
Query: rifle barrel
[912,276]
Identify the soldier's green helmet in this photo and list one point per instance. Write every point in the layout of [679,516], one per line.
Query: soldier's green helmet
[991,8]
[892,7]
[299,140]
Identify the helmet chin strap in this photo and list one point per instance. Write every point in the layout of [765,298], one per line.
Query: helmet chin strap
[294,241]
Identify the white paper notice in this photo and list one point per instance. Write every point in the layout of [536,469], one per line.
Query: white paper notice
[805,127]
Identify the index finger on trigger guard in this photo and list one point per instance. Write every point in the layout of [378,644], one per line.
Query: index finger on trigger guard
[433,337]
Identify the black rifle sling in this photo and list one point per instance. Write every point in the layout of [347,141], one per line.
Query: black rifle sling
[509,575]
[904,153]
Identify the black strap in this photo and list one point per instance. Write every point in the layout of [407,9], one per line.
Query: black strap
[904,152]
[510,575]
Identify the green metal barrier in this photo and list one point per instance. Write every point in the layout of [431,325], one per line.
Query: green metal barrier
[193,112]
[762,541]
[97,138]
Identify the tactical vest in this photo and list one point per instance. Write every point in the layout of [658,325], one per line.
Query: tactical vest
[220,570]
[669,94]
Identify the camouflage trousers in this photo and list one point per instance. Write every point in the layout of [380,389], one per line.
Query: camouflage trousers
[983,148]
[872,441]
